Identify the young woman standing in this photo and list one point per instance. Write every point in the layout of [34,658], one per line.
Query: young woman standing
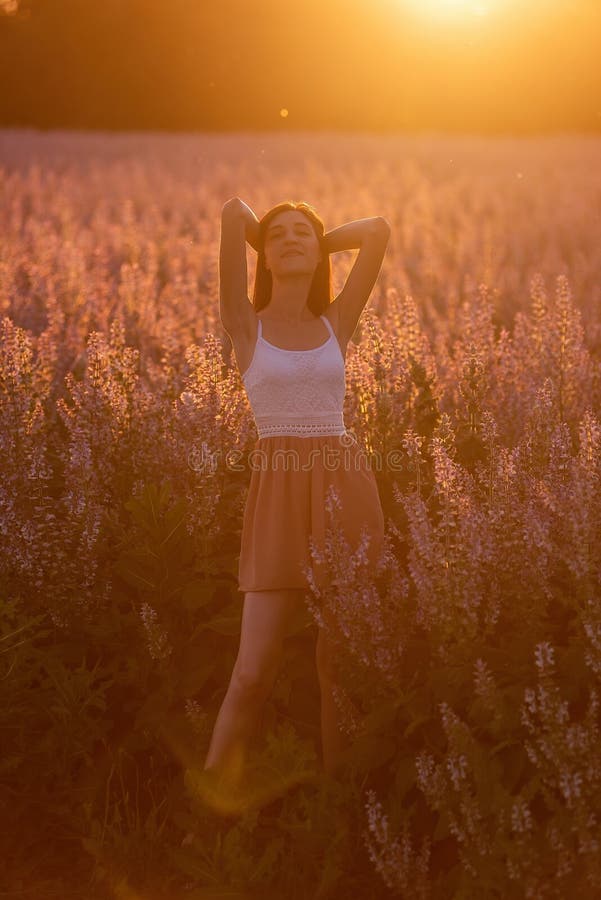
[290,345]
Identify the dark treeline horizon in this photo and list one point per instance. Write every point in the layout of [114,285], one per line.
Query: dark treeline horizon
[336,65]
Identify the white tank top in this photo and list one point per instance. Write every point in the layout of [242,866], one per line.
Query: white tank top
[297,391]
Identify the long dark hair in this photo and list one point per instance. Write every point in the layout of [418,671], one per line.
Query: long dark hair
[320,291]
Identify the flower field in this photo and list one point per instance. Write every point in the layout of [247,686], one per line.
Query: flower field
[470,659]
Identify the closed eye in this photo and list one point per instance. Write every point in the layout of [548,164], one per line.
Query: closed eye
[277,233]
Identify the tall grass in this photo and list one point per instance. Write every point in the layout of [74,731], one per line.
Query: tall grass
[469,658]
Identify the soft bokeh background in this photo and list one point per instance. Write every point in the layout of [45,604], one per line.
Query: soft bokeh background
[490,66]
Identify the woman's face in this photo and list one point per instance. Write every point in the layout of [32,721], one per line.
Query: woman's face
[291,244]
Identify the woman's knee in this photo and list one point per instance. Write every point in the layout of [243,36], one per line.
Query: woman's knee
[266,620]
[254,679]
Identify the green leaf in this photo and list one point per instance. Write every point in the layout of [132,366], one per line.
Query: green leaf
[405,775]
[415,724]
[225,624]
[228,621]
[513,761]
[195,676]
[370,751]
[135,573]
[198,593]
[174,519]
[383,715]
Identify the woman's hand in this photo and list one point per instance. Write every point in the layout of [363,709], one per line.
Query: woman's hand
[350,236]
[251,222]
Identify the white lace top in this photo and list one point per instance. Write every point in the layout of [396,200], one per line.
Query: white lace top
[297,391]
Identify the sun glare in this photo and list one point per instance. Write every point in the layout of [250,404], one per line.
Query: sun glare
[454,7]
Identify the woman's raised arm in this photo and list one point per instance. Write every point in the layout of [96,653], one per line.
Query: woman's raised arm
[351,235]
[238,225]
[371,237]
[251,223]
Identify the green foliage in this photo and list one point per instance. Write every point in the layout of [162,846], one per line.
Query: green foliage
[53,703]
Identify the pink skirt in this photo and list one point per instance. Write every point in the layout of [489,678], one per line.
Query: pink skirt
[286,505]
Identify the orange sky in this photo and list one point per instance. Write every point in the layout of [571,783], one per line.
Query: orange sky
[503,66]
[494,61]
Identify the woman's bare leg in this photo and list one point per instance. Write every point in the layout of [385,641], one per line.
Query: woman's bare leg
[266,620]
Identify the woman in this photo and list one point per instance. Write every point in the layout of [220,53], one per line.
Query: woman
[290,345]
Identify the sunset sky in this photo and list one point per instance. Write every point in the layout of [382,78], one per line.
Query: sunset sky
[443,65]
